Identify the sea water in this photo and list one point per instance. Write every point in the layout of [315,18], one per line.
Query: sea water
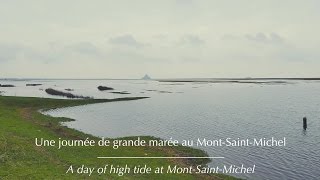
[193,110]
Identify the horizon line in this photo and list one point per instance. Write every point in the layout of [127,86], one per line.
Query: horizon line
[216,78]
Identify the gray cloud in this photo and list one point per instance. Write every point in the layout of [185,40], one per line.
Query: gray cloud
[191,39]
[127,40]
[265,38]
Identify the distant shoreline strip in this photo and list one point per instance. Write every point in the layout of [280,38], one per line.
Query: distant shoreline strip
[142,157]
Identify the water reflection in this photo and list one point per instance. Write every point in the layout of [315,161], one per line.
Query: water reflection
[304,132]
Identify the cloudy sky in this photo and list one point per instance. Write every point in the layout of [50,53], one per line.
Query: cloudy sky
[163,38]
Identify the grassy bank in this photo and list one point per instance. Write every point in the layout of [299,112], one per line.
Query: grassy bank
[21,123]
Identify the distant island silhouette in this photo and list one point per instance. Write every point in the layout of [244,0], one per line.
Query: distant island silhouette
[146,77]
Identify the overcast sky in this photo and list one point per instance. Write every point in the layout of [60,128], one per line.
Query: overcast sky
[163,38]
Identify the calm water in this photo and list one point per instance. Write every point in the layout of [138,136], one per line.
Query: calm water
[206,110]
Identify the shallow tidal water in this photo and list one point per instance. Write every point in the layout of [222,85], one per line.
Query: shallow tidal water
[194,110]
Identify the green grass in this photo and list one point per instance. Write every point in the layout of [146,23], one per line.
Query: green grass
[21,123]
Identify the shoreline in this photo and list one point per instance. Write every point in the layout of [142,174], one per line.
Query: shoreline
[23,122]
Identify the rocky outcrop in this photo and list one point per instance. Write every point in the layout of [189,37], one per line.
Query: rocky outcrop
[104,88]
[65,94]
